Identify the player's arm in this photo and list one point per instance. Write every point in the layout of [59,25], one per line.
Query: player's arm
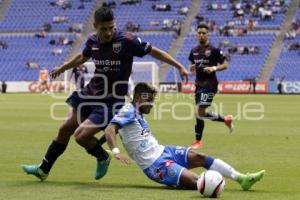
[222,66]
[193,68]
[78,60]
[110,135]
[167,58]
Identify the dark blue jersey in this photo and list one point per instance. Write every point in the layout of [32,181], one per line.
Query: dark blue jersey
[113,61]
[206,57]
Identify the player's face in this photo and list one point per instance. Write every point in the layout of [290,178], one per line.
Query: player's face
[105,30]
[145,102]
[202,35]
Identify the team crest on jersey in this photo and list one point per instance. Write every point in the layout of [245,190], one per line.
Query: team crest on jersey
[207,53]
[117,47]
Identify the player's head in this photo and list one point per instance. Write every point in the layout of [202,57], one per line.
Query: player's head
[202,33]
[104,23]
[144,95]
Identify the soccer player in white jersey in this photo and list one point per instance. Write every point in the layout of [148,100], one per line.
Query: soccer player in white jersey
[167,165]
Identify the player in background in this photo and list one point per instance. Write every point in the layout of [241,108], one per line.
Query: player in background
[78,73]
[167,165]
[206,60]
[112,52]
[44,81]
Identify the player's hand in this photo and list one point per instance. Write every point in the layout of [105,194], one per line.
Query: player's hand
[56,72]
[193,69]
[209,70]
[184,74]
[123,158]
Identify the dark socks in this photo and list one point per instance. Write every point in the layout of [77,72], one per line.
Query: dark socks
[214,116]
[98,152]
[199,128]
[54,151]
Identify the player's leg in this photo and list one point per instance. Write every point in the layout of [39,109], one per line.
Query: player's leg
[43,87]
[96,121]
[199,127]
[207,100]
[227,119]
[47,87]
[55,149]
[188,179]
[81,83]
[204,98]
[84,136]
[208,162]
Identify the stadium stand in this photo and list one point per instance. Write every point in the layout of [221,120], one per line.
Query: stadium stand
[151,14]
[287,66]
[31,15]
[162,40]
[24,52]
[248,14]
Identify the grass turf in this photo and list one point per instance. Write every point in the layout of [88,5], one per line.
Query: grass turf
[272,143]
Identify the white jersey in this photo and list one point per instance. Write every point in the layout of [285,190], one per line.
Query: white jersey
[136,136]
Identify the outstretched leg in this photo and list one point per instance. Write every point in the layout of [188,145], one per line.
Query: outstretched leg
[208,162]
[55,149]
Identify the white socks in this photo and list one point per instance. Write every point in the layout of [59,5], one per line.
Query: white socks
[225,169]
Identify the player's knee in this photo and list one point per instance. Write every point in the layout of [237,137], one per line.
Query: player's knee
[201,158]
[80,138]
[65,130]
[201,112]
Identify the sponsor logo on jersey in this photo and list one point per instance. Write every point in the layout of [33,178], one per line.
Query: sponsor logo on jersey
[107,62]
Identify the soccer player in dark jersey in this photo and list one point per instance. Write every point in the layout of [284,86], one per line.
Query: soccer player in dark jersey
[112,52]
[206,60]
[78,73]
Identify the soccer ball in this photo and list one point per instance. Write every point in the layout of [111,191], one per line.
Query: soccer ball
[211,184]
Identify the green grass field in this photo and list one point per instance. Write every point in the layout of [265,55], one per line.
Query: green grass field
[273,143]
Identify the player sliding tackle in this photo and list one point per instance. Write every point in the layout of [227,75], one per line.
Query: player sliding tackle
[112,52]
[168,165]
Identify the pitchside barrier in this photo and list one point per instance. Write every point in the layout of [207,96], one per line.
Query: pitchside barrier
[288,87]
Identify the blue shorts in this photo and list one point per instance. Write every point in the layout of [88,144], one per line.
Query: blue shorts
[204,97]
[100,112]
[168,167]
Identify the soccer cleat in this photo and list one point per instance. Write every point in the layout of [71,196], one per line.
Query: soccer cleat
[197,144]
[102,166]
[35,170]
[247,180]
[228,120]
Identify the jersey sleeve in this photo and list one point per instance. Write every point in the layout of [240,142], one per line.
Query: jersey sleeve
[87,51]
[220,56]
[191,57]
[139,47]
[125,116]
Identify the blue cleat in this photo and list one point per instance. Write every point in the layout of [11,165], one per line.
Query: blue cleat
[102,167]
[35,170]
